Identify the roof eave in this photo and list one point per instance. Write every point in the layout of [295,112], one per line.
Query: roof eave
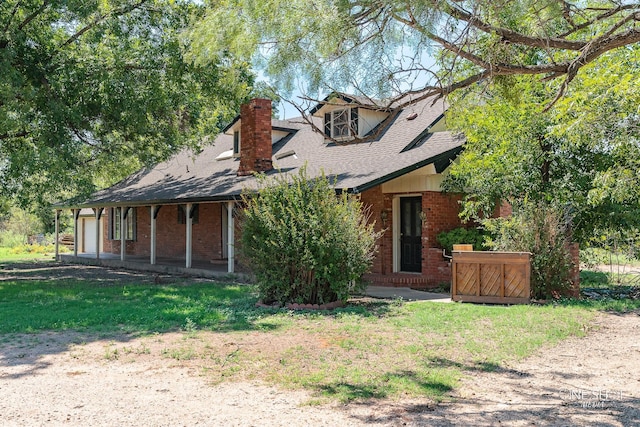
[138,203]
[441,161]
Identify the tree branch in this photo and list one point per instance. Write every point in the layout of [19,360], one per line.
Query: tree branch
[14,135]
[609,13]
[13,13]
[31,17]
[513,36]
[99,19]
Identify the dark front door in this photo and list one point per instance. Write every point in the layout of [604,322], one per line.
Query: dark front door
[410,234]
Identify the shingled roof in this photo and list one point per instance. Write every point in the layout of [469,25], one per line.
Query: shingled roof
[404,146]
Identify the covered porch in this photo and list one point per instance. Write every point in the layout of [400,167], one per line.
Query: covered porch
[191,238]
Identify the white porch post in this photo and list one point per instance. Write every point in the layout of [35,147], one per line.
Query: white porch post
[98,212]
[76,213]
[231,238]
[57,243]
[123,233]
[189,221]
[154,215]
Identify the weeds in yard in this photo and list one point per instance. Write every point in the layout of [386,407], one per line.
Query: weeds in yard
[139,350]
[368,349]
[181,353]
[111,353]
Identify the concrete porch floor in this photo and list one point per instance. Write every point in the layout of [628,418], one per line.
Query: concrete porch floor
[214,270]
[407,294]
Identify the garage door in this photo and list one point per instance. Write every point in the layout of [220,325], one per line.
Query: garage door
[89,238]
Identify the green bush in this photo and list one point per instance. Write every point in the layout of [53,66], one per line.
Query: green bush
[11,239]
[461,235]
[543,230]
[304,243]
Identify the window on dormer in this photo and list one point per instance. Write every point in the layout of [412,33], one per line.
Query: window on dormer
[341,123]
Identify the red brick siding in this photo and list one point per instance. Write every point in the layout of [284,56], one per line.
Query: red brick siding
[503,210]
[442,215]
[441,212]
[376,202]
[113,246]
[255,137]
[171,236]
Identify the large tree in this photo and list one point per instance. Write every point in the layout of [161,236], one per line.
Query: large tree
[403,51]
[581,153]
[91,90]
[545,89]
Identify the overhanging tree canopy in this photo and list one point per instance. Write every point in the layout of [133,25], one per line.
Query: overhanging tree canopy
[386,48]
[580,154]
[91,90]
[581,148]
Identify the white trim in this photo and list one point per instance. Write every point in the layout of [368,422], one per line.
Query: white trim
[153,254]
[123,233]
[231,237]
[57,228]
[225,230]
[189,221]
[75,231]
[395,216]
[236,153]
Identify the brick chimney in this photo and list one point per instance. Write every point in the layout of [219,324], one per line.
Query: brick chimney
[255,137]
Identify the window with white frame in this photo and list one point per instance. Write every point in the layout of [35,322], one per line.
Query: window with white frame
[341,123]
[130,224]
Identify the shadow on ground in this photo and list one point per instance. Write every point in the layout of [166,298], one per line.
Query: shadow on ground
[47,307]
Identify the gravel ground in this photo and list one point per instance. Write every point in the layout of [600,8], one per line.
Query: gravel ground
[61,379]
[64,378]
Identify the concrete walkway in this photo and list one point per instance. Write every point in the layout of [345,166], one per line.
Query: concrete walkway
[406,294]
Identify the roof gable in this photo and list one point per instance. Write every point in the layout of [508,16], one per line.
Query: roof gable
[336,100]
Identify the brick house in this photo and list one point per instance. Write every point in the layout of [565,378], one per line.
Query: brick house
[183,209]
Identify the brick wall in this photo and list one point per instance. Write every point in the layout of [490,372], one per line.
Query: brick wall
[171,236]
[503,210]
[441,211]
[376,202]
[255,137]
[442,215]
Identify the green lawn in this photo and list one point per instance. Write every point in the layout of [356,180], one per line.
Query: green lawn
[368,349]
[9,254]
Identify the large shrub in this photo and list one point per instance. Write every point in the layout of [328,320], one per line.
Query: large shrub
[461,235]
[304,243]
[543,230]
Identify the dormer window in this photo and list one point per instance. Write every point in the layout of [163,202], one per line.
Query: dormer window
[341,123]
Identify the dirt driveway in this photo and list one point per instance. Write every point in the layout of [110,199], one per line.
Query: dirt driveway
[74,380]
